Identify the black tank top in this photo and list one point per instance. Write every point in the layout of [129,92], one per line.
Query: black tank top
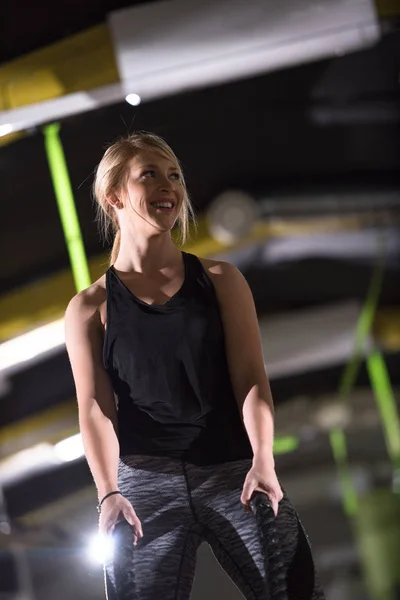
[169,371]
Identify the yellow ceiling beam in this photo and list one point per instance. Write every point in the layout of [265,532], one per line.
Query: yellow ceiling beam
[80,62]
[387,8]
[42,84]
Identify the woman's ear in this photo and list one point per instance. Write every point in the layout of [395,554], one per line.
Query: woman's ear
[114,201]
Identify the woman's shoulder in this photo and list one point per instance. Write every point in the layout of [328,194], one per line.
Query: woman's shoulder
[88,303]
[219,268]
[227,279]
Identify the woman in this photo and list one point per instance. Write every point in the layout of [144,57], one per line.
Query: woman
[176,338]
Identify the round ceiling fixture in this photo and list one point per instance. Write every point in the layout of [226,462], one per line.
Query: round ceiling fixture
[231,216]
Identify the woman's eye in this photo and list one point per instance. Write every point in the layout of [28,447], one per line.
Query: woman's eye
[152,173]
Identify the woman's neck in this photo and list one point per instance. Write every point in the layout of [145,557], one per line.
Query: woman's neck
[147,255]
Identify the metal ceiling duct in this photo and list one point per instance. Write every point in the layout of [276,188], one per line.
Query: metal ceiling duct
[164,48]
[167,47]
[310,339]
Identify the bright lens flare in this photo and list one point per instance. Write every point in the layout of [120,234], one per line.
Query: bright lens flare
[100,548]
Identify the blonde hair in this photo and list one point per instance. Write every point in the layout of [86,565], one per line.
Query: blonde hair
[112,175]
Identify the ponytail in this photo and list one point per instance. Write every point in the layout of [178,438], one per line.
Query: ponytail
[116,247]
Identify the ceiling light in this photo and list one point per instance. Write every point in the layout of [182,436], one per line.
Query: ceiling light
[231,216]
[29,461]
[32,344]
[5,129]
[40,457]
[133,99]
[69,449]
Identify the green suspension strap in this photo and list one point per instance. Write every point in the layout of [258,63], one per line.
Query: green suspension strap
[66,206]
[377,533]
[386,402]
[364,324]
[378,518]
[375,515]
[285,444]
[337,438]
[381,385]
[337,435]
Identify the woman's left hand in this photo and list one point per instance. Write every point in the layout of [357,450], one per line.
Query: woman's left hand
[262,478]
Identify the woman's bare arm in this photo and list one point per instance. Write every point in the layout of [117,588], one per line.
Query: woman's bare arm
[244,355]
[249,378]
[97,410]
[96,404]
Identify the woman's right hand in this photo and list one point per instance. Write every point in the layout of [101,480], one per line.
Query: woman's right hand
[115,509]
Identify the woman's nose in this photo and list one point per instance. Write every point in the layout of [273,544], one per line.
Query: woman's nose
[166,184]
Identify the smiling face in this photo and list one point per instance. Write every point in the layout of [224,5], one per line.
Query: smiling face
[154,193]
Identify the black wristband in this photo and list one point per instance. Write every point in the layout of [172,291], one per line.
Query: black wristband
[105,497]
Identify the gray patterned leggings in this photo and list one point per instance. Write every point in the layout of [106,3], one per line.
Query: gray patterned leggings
[181,505]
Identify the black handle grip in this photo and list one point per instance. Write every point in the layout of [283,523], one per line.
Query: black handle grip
[274,573]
